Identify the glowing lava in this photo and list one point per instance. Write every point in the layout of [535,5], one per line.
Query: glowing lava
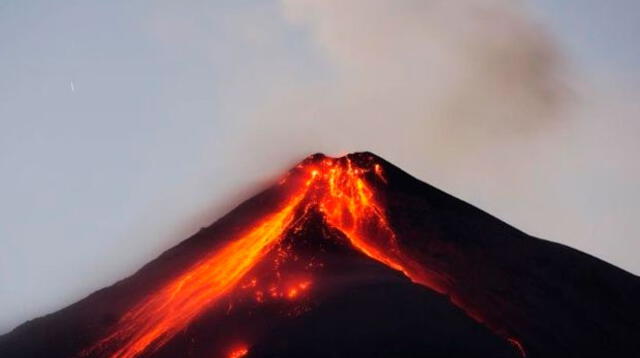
[238,352]
[296,290]
[156,319]
[349,204]
[339,189]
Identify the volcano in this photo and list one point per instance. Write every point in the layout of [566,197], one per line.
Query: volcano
[351,257]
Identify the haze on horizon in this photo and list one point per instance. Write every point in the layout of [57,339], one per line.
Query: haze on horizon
[125,126]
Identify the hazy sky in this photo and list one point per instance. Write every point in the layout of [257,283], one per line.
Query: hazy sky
[127,125]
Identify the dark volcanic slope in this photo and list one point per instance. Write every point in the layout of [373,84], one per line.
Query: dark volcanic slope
[557,300]
[554,300]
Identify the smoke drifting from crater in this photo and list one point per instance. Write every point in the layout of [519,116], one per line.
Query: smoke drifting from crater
[408,77]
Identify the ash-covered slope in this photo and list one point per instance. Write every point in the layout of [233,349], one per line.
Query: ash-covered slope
[351,257]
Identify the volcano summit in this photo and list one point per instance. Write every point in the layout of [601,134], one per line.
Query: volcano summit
[352,257]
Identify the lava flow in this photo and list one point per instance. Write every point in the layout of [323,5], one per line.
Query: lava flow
[339,189]
[349,205]
[161,315]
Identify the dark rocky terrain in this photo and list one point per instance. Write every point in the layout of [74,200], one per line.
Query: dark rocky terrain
[499,291]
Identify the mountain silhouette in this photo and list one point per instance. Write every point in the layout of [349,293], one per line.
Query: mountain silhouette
[351,257]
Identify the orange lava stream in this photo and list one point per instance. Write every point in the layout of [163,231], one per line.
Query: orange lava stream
[349,204]
[161,315]
[337,188]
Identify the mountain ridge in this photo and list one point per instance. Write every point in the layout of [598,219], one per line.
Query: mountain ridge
[478,262]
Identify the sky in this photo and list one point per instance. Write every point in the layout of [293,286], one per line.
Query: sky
[125,126]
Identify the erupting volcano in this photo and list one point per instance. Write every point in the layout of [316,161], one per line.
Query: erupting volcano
[351,257]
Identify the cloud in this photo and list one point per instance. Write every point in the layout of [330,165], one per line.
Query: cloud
[405,72]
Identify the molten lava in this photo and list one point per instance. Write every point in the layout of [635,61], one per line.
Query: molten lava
[161,315]
[238,352]
[349,204]
[340,190]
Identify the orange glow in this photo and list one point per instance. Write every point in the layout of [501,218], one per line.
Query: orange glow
[292,293]
[161,315]
[378,169]
[337,188]
[349,204]
[297,289]
[238,352]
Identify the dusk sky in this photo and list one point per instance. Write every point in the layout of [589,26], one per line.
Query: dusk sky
[125,126]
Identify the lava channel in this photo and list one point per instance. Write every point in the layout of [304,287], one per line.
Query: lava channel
[338,188]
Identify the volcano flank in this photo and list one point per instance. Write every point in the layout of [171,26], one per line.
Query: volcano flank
[351,257]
